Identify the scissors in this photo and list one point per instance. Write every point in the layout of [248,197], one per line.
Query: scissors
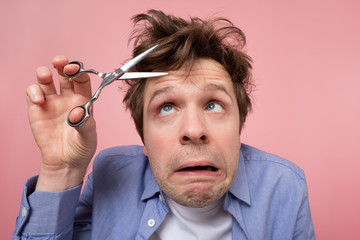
[118,74]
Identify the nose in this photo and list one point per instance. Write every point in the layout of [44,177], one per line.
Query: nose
[193,128]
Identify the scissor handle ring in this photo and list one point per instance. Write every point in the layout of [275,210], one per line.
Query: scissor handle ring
[81,66]
[86,116]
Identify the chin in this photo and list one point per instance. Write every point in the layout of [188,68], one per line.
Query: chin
[198,198]
[197,201]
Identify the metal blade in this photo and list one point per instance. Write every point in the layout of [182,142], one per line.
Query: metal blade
[137,59]
[135,75]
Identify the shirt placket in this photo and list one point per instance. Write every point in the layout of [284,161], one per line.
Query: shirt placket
[154,214]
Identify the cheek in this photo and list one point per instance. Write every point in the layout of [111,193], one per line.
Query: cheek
[157,145]
[227,133]
[159,136]
[232,160]
[228,140]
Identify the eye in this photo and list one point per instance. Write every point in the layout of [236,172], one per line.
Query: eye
[214,107]
[166,109]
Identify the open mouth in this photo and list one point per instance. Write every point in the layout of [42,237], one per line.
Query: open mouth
[198,168]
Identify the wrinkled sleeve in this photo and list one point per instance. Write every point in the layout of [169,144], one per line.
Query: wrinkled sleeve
[46,215]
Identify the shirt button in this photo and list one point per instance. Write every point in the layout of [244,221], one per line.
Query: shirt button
[151,222]
[23,211]
[160,198]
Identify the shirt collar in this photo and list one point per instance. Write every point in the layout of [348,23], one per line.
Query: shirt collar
[239,188]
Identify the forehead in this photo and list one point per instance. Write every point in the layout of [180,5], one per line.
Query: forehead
[202,72]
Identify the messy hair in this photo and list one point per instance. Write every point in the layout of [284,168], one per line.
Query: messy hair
[181,41]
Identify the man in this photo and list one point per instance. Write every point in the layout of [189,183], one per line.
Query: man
[193,179]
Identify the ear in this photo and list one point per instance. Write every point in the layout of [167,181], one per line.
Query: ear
[145,151]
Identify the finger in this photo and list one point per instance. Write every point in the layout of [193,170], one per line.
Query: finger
[45,81]
[87,130]
[34,95]
[82,83]
[76,115]
[72,69]
[59,62]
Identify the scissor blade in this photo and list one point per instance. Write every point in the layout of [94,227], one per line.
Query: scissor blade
[135,75]
[137,59]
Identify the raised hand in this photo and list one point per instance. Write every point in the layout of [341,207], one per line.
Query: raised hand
[66,151]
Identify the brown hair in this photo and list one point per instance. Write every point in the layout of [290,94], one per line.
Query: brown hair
[183,41]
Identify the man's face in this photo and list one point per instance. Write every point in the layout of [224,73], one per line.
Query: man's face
[191,132]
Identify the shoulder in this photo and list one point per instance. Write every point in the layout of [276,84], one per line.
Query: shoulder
[271,168]
[122,151]
[120,157]
[257,156]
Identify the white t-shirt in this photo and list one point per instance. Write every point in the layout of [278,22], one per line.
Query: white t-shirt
[209,222]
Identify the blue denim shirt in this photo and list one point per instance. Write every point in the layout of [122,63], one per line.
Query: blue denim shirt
[121,200]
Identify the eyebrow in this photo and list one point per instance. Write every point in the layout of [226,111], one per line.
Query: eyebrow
[171,89]
[164,90]
[216,87]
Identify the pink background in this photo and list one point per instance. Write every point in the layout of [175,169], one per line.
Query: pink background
[306,67]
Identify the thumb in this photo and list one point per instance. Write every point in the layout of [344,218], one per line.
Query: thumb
[76,116]
[86,129]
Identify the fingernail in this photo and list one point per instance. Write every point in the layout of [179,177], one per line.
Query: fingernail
[42,71]
[35,97]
